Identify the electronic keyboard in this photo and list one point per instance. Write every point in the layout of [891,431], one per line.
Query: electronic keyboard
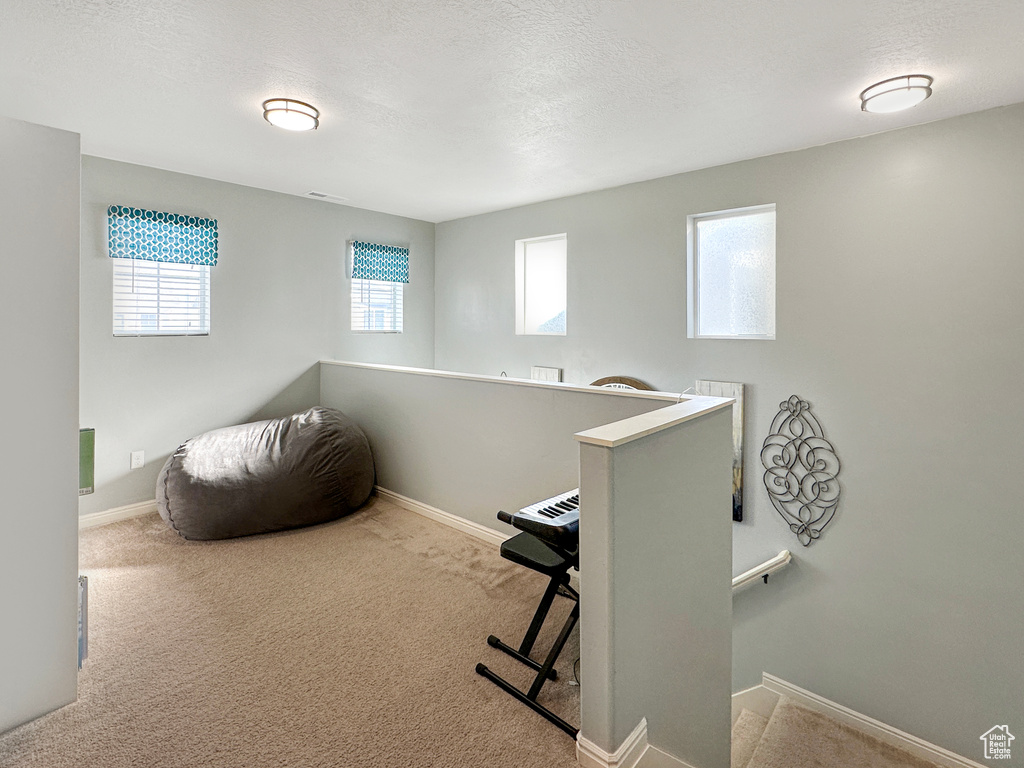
[557,509]
[555,520]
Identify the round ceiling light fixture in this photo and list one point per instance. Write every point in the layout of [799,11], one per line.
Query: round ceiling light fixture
[291,115]
[896,93]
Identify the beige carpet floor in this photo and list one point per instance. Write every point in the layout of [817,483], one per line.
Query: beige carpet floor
[746,733]
[347,644]
[795,736]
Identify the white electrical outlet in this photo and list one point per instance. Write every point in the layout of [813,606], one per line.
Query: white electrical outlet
[138,460]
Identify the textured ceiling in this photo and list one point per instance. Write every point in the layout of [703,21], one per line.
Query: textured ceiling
[438,109]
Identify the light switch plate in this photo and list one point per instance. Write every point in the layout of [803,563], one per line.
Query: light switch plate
[543,373]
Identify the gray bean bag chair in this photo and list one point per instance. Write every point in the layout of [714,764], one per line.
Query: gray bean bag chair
[271,475]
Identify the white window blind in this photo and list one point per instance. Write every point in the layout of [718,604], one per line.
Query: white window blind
[161,298]
[376,305]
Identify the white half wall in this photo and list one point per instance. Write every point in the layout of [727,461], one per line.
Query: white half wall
[655,480]
[39,199]
[656,605]
[472,445]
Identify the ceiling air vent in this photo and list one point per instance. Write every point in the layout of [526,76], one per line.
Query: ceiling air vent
[326,198]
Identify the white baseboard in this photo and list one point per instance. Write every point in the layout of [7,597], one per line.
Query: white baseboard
[476,530]
[881,731]
[628,755]
[454,521]
[94,519]
[655,758]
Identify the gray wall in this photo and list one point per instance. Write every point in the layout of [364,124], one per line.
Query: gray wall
[471,447]
[280,303]
[900,320]
[655,636]
[39,188]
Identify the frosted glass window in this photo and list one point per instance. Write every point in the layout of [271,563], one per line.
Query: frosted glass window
[541,286]
[376,305]
[732,274]
[161,298]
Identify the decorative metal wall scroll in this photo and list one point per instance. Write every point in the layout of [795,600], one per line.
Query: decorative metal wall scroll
[733,390]
[801,470]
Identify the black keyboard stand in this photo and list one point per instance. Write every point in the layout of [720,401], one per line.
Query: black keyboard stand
[534,553]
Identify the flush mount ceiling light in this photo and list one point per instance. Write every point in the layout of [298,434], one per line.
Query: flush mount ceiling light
[896,93]
[291,115]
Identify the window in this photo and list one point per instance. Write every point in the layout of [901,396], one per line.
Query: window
[161,271]
[541,286]
[159,298]
[376,305]
[731,274]
[379,273]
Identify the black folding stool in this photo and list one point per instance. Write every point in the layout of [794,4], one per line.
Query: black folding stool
[534,553]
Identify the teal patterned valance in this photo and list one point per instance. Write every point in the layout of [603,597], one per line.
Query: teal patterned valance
[153,236]
[371,261]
